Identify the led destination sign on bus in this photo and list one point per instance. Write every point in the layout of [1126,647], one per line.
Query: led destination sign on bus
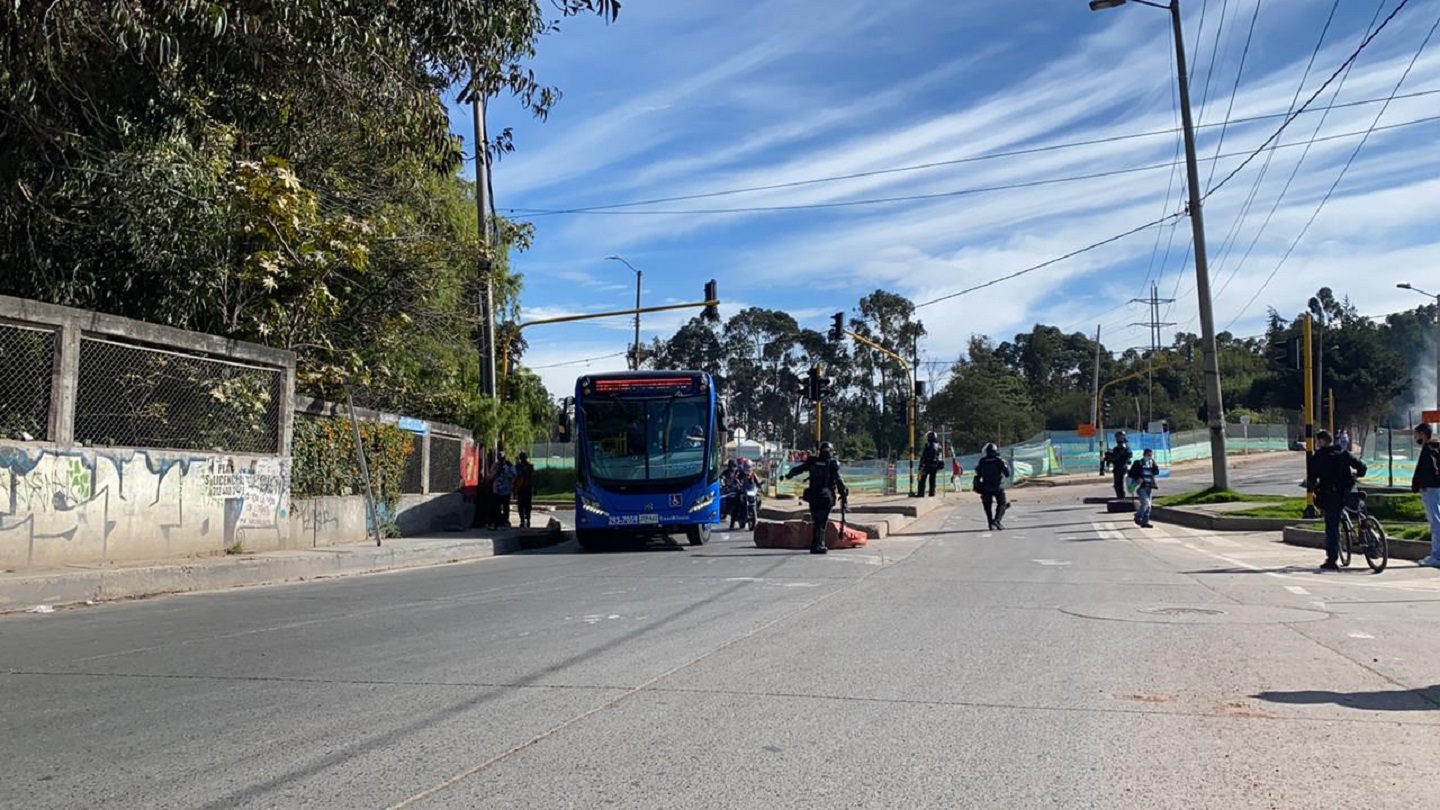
[647,385]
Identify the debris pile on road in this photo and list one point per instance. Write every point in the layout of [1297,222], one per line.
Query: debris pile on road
[796,534]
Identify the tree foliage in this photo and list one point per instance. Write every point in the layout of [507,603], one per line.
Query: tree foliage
[279,171]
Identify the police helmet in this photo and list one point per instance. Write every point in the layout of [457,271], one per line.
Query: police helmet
[991,449]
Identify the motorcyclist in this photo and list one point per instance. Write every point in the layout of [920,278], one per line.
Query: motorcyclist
[822,491]
[727,487]
[932,460]
[744,476]
[990,474]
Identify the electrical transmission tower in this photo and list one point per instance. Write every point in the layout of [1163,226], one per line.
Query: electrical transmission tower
[1154,325]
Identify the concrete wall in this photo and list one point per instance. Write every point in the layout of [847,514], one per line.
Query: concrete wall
[332,521]
[87,505]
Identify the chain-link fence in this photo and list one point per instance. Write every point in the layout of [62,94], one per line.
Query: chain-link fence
[136,396]
[445,464]
[553,455]
[27,362]
[413,483]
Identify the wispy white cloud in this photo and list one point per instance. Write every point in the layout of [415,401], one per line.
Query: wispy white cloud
[740,109]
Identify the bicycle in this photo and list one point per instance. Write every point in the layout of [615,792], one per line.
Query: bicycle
[1356,522]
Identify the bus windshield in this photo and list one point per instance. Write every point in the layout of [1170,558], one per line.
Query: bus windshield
[646,440]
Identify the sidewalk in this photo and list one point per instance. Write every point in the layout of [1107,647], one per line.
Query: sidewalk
[75,585]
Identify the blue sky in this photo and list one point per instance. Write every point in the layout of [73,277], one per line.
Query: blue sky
[683,97]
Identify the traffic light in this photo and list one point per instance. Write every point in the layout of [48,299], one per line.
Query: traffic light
[712,298]
[1286,353]
[1105,409]
[903,415]
[837,329]
[812,384]
[919,389]
[824,385]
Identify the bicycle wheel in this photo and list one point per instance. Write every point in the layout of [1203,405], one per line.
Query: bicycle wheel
[1347,538]
[1377,546]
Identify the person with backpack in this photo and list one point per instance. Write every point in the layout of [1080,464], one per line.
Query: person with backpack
[1143,473]
[524,485]
[990,474]
[822,492]
[503,486]
[1427,482]
[932,461]
[1331,474]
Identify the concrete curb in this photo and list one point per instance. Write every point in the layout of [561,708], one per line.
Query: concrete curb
[1399,549]
[22,592]
[1209,521]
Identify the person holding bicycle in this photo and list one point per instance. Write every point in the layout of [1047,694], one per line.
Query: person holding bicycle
[1331,474]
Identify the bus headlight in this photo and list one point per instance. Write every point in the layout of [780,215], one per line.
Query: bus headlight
[592,507]
[703,503]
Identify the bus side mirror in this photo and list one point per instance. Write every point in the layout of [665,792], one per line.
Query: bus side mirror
[720,418]
[562,421]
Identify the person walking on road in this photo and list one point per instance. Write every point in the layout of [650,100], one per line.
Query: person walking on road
[1427,483]
[932,461]
[1331,476]
[1120,457]
[990,474]
[823,490]
[1144,472]
[524,485]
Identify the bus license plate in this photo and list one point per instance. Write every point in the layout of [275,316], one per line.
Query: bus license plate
[649,518]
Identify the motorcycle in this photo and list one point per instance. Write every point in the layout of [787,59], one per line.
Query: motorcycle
[745,508]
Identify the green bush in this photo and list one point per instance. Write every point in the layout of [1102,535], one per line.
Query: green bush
[324,459]
[553,482]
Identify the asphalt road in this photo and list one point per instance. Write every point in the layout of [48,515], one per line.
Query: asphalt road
[1069,662]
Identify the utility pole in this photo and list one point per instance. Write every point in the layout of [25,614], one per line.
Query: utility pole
[1095,389]
[486,269]
[1154,325]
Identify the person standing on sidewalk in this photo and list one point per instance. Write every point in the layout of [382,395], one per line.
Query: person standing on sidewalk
[1144,472]
[1120,456]
[822,492]
[990,474]
[503,487]
[1331,476]
[1427,483]
[932,460]
[524,488]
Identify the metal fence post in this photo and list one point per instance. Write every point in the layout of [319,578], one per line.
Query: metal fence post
[425,464]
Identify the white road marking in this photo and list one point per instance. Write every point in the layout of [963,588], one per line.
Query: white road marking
[1361,635]
[1053,562]
[1297,590]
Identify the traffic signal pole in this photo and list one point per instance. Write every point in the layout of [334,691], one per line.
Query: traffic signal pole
[1309,375]
[910,375]
[709,305]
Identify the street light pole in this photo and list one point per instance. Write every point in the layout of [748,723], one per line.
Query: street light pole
[1214,402]
[635,357]
[1407,286]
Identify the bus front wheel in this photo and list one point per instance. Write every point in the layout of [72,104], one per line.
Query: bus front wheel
[698,535]
[589,540]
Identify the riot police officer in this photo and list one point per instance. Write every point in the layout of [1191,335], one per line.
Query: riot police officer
[932,461]
[822,491]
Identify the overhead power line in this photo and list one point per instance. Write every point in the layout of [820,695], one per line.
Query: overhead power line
[939,195]
[1291,118]
[1343,171]
[578,362]
[937,164]
[1072,254]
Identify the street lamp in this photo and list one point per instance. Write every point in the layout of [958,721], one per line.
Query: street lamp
[1214,404]
[1407,286]
[635,359]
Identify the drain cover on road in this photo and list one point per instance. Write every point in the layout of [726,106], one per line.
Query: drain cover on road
[1181,611]
[1189,614]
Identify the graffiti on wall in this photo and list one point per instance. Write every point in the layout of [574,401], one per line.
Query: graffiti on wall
[84,505]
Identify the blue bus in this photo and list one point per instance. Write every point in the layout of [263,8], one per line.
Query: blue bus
[647,455]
